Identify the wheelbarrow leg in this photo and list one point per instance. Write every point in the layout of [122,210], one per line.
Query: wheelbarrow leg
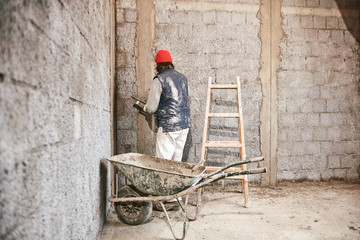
[186,204]
[246,191]
[185,219]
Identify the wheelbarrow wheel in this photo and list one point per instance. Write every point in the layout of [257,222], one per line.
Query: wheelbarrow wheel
[132,213]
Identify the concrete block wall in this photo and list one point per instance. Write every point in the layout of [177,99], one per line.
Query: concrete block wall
[319,100]
[306,97]
[217,40]
[55,118]
[127,126]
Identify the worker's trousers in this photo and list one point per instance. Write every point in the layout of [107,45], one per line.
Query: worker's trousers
[170,145]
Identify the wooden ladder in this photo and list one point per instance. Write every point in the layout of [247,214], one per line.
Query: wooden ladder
[226,144]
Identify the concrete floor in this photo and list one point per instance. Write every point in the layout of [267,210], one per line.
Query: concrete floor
[328,210]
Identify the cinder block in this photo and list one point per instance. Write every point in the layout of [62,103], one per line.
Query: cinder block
[162,15]
[306,21]
[292,106]
[184,31]
[176,16]
[209,17]
[334,133]
[299,148]
[238,18]
[307,135]
[326,92]
[320,134]
[120,16]
[340,173]
[339,147]
[313,120]
[312,148]
[316,48]
[285,175]
[327,148]
[127,137]
[295,3]
[342,24]
[332,23]
[351,65]
[337,36]
[193,17]
[301,120]
[352,146]
[319,22]
[252,19]
[324,35]
[282,106]
[352,174]
[311,175]
[284,148]
[284,163]
[312,3]
[320,78]
[347,134]
[319,105]
[313,64]
[311,35]
[293,21]
[327,3]
[332,105]
[130,15]
[314,92]
[120,59]
[307,106]
[326,174]
[349,160]
[127,4]
[326,119]
[286,120]
[283,134]
[349,38]
[223,18]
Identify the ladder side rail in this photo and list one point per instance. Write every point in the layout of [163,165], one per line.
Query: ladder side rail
[206,123]
[241,125]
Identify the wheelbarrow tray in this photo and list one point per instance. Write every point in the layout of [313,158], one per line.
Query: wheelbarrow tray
[157,176]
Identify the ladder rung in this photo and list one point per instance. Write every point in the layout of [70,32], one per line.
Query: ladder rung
[223,86]
[224,115]
[223,144]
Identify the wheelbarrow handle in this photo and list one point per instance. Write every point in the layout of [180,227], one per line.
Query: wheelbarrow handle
[258,159]
[200,163]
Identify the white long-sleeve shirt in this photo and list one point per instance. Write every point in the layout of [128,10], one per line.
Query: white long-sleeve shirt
[154,96]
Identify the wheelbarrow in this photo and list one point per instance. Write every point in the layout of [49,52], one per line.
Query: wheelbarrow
[158,180]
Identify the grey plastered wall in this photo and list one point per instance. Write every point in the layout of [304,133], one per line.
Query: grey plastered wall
[319,99]
[126,18]
[55,118]
[218,40]
[298,62]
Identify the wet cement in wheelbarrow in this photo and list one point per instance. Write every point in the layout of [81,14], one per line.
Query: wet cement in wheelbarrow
[315,210]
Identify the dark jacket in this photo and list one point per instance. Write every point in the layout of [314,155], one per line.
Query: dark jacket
[173,112]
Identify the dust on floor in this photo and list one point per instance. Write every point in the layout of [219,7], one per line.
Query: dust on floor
[316,210]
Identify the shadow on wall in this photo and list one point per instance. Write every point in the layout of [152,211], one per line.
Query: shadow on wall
[187,148]
[351,23]
[104,166]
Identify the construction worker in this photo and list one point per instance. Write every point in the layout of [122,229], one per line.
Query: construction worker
[168,100]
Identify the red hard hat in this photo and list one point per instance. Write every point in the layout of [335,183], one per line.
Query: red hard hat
[163,56]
